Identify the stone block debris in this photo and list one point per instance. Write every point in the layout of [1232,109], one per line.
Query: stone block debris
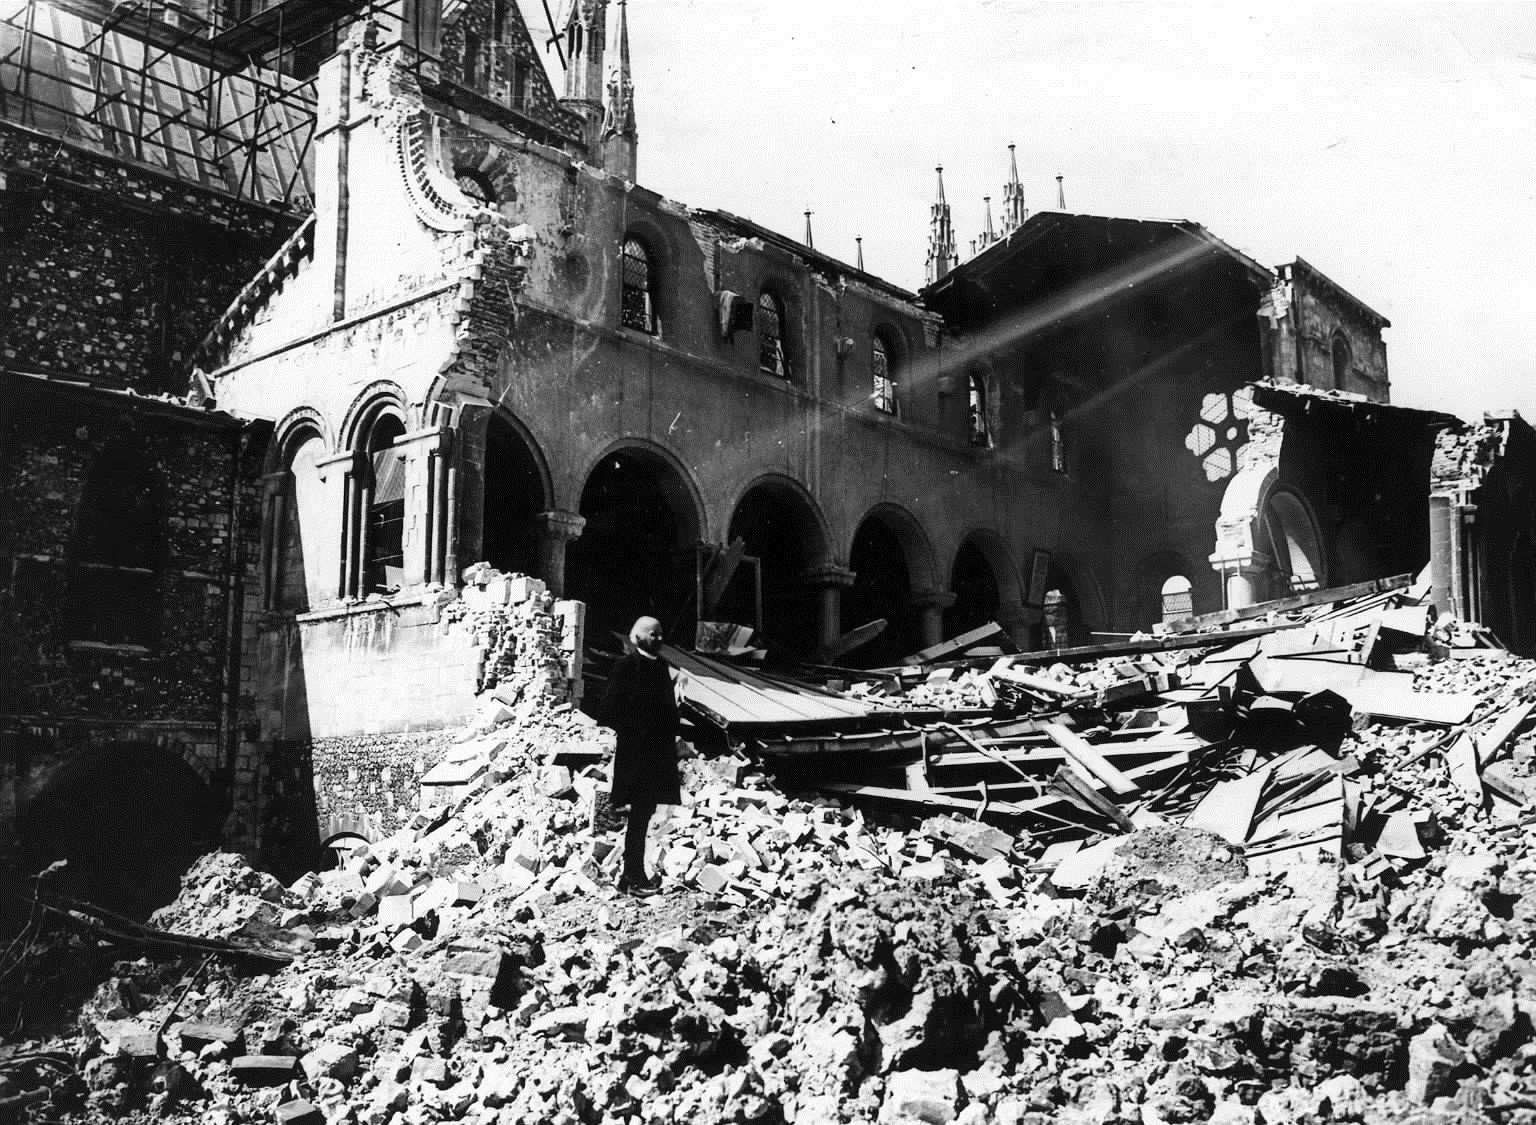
[1294,912]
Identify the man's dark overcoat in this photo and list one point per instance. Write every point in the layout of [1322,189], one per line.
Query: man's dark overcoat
[642,711]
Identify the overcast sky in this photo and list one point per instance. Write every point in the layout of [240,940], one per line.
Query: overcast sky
[1392,145]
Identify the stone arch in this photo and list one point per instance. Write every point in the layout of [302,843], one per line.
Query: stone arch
[1295,543]
[985,581]
[783,528]
[1077,606]
[294,426]
[1268,540]
[893,564]
[128,818]
[637,553]
[377,398]
[512,489]
[298,529]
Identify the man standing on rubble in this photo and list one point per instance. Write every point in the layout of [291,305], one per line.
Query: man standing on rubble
[642,710]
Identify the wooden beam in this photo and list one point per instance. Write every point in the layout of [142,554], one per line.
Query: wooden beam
[956,645]
[854,638]
[1296,601]
[1083,754]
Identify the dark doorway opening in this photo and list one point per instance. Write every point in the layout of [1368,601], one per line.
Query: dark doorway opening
[977,597]
[882,587]
[514,496]
[782,533]
[637,553]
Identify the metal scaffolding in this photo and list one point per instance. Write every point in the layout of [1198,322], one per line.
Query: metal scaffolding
[219,93]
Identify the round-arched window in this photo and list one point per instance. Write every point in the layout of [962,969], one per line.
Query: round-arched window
[637,301]
[882,369]
[1341,360]
[770,336]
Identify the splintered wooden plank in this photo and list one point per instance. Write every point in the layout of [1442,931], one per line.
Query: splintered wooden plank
[956,644]
[1081,792]
[1491,739]
[1296,601]
[1086,756]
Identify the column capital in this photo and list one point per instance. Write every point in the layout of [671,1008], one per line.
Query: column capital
[933,599]
[564,526]
[348,461]
[828,574]
[433,439]
[1241,562]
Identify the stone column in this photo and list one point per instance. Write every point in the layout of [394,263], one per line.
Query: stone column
[1244,577]
[342,475]
[829,581]
[930,606]
[556,530]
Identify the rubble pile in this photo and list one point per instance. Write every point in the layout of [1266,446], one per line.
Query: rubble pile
[1319,909]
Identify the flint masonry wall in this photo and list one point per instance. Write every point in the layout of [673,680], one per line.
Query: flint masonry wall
[114,273]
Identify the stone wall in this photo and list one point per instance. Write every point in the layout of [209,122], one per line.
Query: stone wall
[383,688]
[49,662]
[115,273]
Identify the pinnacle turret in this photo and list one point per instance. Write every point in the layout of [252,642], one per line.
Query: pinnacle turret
[1014,210]
[941,236]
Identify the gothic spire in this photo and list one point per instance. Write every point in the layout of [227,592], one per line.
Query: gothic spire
[860,241]
[1014,211]
[989,232]
[941,236]
[810,242]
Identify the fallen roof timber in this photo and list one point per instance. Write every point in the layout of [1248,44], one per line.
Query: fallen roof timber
[1286,605]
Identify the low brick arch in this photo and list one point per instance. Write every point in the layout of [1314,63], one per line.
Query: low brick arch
[127,818]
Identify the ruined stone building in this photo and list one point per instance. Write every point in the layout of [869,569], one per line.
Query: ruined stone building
[431,318]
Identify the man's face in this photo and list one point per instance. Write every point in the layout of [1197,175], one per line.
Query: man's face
[648,635]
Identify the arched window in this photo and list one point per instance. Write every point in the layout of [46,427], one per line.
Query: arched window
[295,517]
[882,368]
[1341,360]
[637,303]
[1178,598]
[114,587]
[770,336]
[978,430]
[384,538]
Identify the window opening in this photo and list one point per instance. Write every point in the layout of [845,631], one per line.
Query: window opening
[976,412]
[637,306]
[770,336]
[1341,360]
[1178,598]
[476,186]
[384,568]
[884,390]
[499,20]
[114,588]
[1057,620]
[471,59]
